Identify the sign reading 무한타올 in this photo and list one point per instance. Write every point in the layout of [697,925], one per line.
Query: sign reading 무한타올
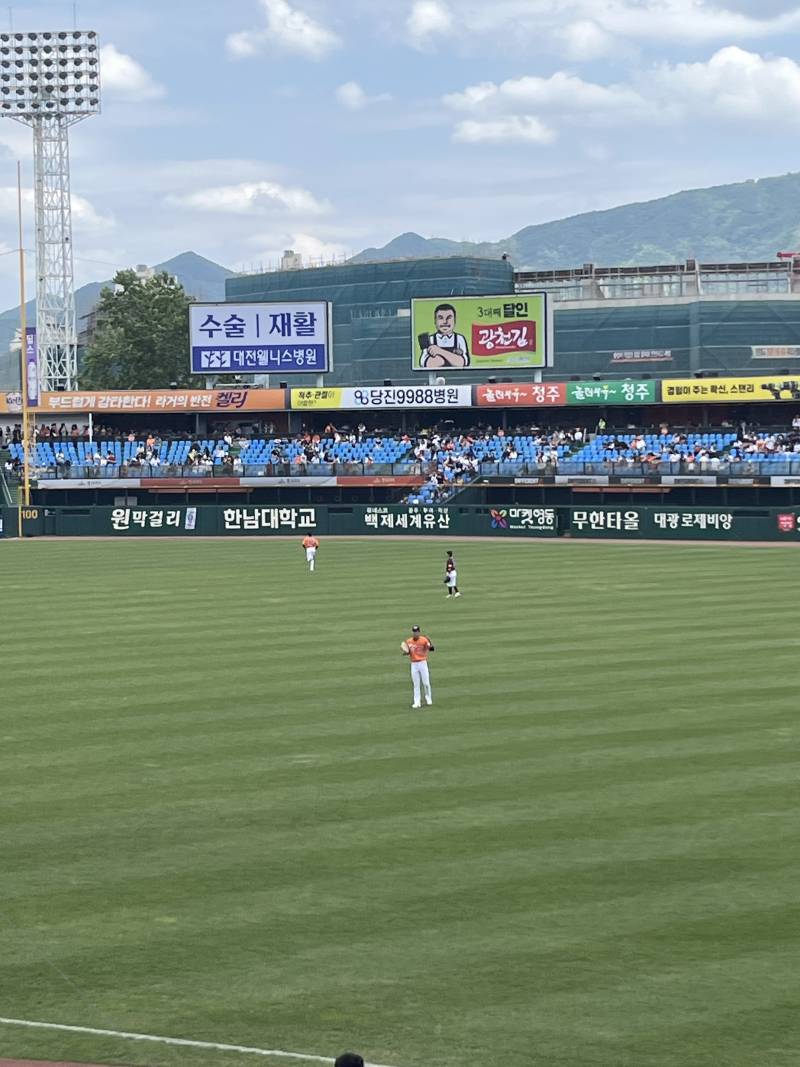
[481,332]
[274,338]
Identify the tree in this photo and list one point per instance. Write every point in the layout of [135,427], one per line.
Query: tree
[142,335]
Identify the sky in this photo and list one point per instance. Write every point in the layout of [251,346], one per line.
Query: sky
[243,128]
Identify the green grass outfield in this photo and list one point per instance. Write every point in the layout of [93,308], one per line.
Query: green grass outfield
[221,821]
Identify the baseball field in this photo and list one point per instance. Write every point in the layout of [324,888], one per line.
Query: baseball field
[221,822]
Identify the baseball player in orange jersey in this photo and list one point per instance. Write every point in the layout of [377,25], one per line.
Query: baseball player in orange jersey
[310,544]
[417,647]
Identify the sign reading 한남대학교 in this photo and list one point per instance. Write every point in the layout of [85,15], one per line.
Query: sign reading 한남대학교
[273,338]
[481,332]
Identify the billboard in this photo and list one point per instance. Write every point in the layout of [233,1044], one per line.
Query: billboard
[167,400]
[481,332]
[386,397]
[728,390]
[274,338]
[32,366]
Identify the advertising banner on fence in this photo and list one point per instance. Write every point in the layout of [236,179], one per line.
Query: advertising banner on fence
[729,390]
[274,338]
[167,400]
[481,332]
[32,366]
[524,395]
[611,393]
[664,522]
[389,397]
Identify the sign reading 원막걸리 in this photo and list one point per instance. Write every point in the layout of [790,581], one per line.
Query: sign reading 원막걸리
[277,338]
[481,332]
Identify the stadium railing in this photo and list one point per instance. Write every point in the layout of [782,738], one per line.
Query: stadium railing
[507,468]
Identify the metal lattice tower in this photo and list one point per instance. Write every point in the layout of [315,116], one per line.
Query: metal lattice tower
[51,81]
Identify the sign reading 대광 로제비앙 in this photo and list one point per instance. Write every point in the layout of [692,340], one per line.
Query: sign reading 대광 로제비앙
[481,332]
[273,338]
[730,390]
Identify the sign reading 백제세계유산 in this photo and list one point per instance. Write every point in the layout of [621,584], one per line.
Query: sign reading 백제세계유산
[481,332]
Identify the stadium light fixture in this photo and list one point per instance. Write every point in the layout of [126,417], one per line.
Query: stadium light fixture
[50,81]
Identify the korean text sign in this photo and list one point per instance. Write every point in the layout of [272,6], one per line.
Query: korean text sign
[481,332]
[277,338]
[722,390]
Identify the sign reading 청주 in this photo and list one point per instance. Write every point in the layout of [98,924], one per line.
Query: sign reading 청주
[481,332]
[278,338]
[611,392]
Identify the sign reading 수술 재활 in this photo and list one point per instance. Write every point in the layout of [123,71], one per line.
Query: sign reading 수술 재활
[481,332]
[277,338]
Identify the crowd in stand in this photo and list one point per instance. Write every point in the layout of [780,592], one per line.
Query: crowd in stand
[442,454]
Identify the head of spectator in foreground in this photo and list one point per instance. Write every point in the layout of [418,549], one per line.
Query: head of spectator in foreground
[349,1059]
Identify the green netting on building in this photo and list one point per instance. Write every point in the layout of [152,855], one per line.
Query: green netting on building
[372,327]
[371,301]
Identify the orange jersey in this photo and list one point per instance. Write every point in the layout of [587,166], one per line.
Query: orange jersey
[309,541]
[418,648]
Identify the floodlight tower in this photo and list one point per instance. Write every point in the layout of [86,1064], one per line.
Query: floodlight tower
[50,81]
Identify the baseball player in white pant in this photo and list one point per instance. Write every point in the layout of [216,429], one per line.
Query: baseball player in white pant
[417,647]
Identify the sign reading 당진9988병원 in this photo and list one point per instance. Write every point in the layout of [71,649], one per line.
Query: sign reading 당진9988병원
[274,338]
[481,332]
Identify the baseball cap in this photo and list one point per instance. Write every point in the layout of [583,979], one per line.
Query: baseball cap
[415,629]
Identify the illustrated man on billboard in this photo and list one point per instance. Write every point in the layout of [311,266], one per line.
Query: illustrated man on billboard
[444,347]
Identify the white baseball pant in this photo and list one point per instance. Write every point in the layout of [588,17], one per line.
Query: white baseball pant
[311,554]
[452,579]
[420,677]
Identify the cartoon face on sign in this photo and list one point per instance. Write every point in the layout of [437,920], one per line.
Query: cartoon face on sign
[444,347]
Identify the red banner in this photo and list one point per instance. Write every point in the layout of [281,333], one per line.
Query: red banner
[524,394]
[518,335]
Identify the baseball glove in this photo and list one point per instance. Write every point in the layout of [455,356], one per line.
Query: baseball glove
[404,647]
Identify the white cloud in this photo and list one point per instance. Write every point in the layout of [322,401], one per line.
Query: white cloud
[514,109]
[287,29]
[252,198]
[427,19]
[584,40]
[514,128]
[733,84]
[122,76]
[352,97]
[587,29]
[85,216]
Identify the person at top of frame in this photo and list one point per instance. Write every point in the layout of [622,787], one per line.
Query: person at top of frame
[444,347]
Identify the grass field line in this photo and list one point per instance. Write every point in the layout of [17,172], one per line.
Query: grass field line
[209,1046]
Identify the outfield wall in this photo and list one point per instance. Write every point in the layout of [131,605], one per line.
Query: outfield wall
[659,522]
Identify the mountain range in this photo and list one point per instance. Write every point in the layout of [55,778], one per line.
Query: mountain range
[750,220]
[200,277]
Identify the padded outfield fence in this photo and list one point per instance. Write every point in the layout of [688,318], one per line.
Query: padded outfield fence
[627,522]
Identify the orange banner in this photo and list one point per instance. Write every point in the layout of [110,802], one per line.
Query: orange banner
[219,400]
